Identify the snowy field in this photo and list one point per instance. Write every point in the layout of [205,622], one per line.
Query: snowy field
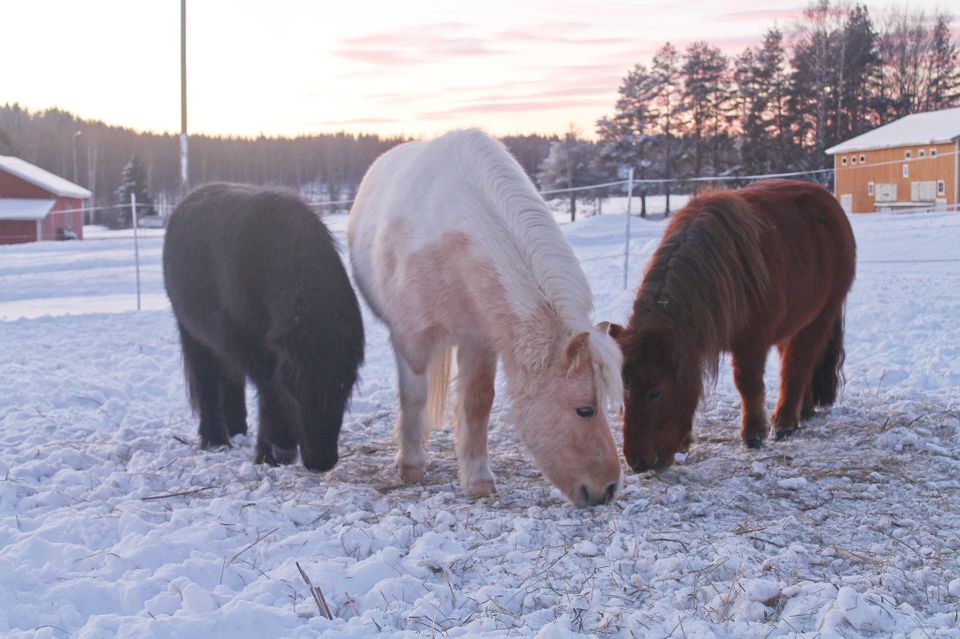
[114,524]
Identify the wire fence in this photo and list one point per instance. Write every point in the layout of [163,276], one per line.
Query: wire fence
[152,226]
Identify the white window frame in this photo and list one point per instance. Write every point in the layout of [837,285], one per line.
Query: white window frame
[871,189]
[941,187]
[843,161]
[863,159]
[933,153]
[921,153]
[853,159]
[907,155]
[906,170]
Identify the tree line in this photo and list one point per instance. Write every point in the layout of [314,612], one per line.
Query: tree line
[114,161]
[838,72]
[775,107]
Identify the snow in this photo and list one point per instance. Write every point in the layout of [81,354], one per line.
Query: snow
[931,127]
[24,208]
[113,523]
[46,180]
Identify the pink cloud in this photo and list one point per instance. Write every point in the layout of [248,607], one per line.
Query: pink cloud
[765,15]
[414,46]
[355,121]
[507,107]
[379,58]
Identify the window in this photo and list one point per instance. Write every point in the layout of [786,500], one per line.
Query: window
[941,187]
[907,155]
[906,170]
[933,153]
[921,153]
[853,159]
[843,160]
[870,188]
[863,159]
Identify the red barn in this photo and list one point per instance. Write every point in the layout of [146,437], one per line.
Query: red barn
[37,205]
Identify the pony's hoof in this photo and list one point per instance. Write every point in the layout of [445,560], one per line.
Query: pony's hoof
[780,435]
[238,429]
[480,488]
[283,455]
[754,443]
[206,444]
[411,473]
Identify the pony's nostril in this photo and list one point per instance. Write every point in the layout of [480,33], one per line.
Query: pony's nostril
[660,460]
[610,493]
[584,495]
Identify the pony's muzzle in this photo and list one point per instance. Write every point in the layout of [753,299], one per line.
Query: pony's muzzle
[587,497]
[660,461]
[319,462]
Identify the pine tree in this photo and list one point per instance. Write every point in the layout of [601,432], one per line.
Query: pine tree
[571,163]
[812,82]
[856,66]
[133,181]
[771,61]
[944,86]
[705,98]
[752,106]
[6,144]
[666,87]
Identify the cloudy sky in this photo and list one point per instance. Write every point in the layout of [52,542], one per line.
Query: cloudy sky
[417,67]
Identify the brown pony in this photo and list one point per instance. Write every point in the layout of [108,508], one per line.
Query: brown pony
[737,271]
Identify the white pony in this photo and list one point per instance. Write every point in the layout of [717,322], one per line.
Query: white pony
[452,246]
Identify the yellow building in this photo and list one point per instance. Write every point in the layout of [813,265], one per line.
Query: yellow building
[912,163]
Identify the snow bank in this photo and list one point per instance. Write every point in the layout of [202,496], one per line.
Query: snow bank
[112,523]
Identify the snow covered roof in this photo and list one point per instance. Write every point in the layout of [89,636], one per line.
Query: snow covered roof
[933,127]
[16,208]
[44,179]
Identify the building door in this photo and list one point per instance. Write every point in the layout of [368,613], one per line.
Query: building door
[846,201]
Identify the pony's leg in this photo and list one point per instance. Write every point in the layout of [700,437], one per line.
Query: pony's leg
[276,441]
[748,365]
[477,367]
[204,376]
[797,360]
[411,424]
[807,409]
[234,404]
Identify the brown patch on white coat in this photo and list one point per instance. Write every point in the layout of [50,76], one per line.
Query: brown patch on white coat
[444,295]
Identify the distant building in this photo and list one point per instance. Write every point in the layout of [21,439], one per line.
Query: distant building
[911,163]
[37,205]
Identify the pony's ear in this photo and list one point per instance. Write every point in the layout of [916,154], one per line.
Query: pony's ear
[611,329]
[577,354]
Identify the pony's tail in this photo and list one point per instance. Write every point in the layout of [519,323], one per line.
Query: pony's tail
[828,373]
[438,386]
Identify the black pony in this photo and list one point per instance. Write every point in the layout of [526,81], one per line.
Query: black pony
[259,291]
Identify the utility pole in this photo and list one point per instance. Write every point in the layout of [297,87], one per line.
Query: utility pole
[626,243]
[76,174]
[76,180]
[184,174]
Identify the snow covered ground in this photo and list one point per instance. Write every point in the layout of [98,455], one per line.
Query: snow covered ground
[113,523]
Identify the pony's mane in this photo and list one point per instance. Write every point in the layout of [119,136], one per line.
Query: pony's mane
[488,166]
[705,277]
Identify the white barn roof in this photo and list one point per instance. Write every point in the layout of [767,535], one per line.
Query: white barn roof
[44,179]
[18,208]
[933,127]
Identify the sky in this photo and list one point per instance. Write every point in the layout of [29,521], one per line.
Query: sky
[415,68]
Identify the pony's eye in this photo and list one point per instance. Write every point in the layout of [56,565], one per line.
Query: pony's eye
[586,411]
[654,395]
